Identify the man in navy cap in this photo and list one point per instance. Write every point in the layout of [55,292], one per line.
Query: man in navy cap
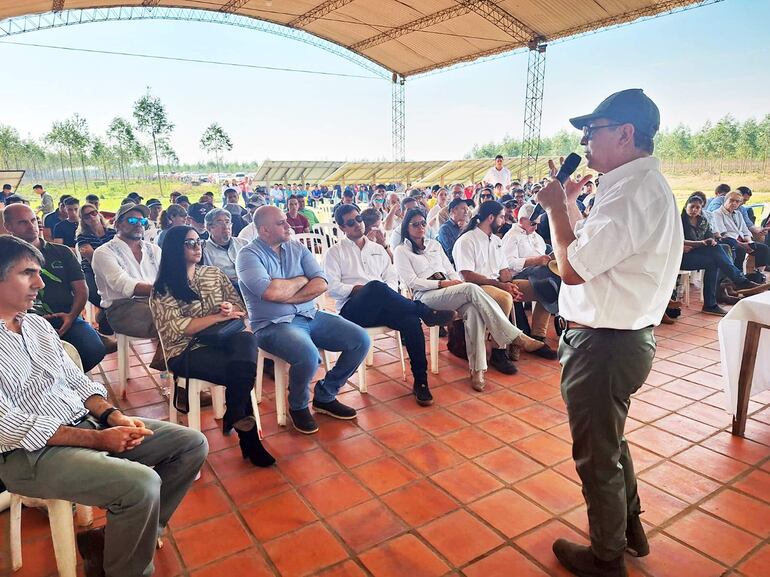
[618,268]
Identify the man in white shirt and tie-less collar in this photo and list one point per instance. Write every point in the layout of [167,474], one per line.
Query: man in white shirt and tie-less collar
[364,283]
[125,269]
[498,174]
[618,268]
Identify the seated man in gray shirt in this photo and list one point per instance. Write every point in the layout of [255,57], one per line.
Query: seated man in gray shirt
[221,248]
[61,439]
[279,280]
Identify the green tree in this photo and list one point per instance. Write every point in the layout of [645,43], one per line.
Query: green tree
[216,140]
[151,118]
[80,140]
[60,137]
[9,144]
[121,134]
[101,153]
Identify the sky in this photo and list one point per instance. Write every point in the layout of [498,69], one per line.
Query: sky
[696,65]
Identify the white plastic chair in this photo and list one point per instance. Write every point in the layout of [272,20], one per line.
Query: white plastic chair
[684,278]
[315,243]
[124,352]
[328,231]
[375,332]
[433,334]
[281,379]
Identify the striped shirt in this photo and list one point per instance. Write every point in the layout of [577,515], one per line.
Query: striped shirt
[41,389]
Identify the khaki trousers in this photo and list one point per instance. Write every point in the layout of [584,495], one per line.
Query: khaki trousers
[540,316]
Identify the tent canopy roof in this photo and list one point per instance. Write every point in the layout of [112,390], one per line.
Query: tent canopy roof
[409,36]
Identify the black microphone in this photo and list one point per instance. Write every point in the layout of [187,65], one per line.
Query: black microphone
[570,165]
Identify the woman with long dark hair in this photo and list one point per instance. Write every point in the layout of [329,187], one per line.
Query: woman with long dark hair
[174,215]
[424,267]
[188,298]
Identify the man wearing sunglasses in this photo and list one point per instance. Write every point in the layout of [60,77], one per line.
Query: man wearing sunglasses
[618,268]
[364,283]
[125,269]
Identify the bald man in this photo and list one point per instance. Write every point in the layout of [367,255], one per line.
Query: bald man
[280,280]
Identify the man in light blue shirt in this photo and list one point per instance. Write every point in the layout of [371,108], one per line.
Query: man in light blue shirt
[280,279]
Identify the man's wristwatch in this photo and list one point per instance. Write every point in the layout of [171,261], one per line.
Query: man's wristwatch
[103,418]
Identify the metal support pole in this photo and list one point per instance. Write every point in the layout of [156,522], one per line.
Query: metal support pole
[533,107]
[399,118]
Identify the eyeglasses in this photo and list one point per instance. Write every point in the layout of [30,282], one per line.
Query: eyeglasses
[90,214]
[418,224]
[588,131]
[193,243]
[134,220]
[353,221]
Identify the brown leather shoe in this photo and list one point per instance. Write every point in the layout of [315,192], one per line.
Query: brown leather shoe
[91,549]
[667,320]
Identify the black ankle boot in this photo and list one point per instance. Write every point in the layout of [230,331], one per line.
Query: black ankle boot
[251,446]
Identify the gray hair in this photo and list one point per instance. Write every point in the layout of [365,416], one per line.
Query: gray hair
[213,213]
[13,250]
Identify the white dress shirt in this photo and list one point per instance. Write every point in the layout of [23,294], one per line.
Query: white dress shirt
[414,269]
[732,225]
[347,266]
[502,176]
[248,232]
[628,251]
[117,271]
[518,246]
[481,253]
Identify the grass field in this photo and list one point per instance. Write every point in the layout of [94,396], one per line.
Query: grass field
[112,193]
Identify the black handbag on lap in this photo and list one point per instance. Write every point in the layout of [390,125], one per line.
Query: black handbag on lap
[216,335]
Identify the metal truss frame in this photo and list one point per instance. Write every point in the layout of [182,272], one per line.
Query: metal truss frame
[399,118]
[533,106]
[48,20]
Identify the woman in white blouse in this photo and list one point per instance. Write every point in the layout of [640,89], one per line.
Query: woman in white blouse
[424,267]
[434,215]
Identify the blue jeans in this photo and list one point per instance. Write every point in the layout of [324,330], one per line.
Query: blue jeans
[712,260]
[83,337]
[298,342]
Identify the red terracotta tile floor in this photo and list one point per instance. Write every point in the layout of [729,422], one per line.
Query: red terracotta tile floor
[479,484]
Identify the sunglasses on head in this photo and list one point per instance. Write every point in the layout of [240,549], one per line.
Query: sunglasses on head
[193,242]
[134,220]
[353,221]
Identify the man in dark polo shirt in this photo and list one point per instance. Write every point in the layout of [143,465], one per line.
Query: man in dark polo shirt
[51,219]
[64,231]
[65,293]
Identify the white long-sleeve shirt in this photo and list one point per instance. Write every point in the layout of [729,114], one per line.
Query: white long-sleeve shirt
[347,266]
[479,252]
[117,271]
[414,269]
[518,246]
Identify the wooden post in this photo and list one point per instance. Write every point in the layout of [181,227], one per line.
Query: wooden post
[746,375]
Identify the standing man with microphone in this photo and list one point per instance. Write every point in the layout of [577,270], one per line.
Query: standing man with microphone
[618,268]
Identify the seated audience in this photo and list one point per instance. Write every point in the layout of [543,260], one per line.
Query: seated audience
[51,219]
[426,270]
[174,215]
[65,230]
[62,439]
[307,212]
[92,233]
[183,201]
[152,230]
[188,298]
[197,217]
[434,214]
[373,229]
[407,203]
[729,222]
[364,284]
[719,198]
[125,269]
[222,248]
[702,252]
[479,258]
[66,292]
[297,221]
[280,279]
[348,197]
[459,215]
